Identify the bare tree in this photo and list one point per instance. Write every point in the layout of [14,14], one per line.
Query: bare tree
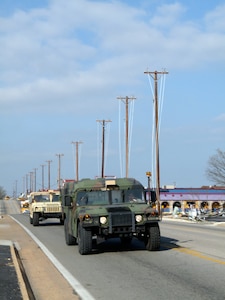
[216,168]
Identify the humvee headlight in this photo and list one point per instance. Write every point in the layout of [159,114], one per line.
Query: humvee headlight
[138,218]
[87,217]
[103,220]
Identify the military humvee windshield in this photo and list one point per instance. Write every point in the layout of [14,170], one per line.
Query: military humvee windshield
[55,198]
[41,198]
[110,197]
[134,195]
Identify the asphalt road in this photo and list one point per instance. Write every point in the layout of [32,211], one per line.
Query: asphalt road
[216,218]
[189,265]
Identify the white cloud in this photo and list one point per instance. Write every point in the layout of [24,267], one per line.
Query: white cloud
[215,21]
[79,52]
[168,15]
[221,117]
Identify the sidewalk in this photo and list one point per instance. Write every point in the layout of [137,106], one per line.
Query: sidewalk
[11,285]
[45,280]
[190,221]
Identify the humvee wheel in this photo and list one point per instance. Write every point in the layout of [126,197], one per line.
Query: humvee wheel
[84,240]
[70,240]
[35,219]
[31,220]
[153,239]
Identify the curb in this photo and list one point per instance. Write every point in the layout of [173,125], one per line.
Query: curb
[25,285]
[10,273]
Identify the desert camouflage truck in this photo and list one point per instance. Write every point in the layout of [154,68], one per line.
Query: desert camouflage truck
[103,208]
[44,205]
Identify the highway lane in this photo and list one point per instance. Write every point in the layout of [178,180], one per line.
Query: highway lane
[189,265]
[206,238]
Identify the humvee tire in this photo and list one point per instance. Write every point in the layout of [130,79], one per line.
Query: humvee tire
[70,240]
[35,219]
[84,240]
[153,240]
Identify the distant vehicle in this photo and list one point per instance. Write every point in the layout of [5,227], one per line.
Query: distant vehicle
[44,205]
[24,206]
[24,203]
[108,208]
[7,197]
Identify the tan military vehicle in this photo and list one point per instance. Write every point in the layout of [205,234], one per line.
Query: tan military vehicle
[44,205]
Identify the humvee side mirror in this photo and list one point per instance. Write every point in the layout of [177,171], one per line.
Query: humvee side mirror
[153,196]
[68,200]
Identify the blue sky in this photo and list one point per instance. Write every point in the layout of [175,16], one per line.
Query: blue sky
[64,63]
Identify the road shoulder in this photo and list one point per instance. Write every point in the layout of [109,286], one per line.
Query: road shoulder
[46,281]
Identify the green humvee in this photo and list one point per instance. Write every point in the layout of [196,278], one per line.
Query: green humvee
[107,208]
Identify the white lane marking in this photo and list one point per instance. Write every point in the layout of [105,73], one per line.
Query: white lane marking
[75,284]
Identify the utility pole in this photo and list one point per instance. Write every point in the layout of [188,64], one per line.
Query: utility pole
[26,184]
[59,169]
[43,186]
[154,75]
[77,158]
[15,191]
[126,101]
[35,169]
[49,162]
[103,122]
[31,182]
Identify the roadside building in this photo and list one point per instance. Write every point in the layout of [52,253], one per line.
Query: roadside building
[204,199]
